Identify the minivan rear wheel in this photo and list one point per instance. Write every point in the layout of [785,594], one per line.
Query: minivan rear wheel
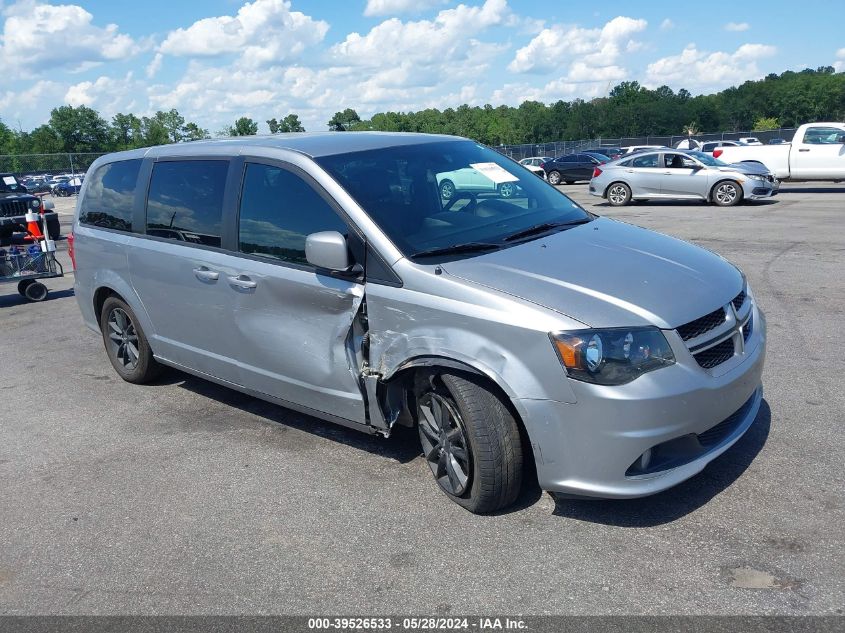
[470,442]
[126,344]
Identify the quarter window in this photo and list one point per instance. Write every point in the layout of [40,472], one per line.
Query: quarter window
[185,202]
[110,194]
[278,211]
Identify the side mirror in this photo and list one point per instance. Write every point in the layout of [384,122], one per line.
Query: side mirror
[327,249]
[840,138]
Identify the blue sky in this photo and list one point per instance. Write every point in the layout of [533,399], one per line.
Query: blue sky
[220,59]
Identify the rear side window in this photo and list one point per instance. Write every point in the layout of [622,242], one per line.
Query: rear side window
[110,194]
[823,135]
[649,160]
[185,202]
[278,211]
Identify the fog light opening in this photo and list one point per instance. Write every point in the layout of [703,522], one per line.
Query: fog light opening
[645,460]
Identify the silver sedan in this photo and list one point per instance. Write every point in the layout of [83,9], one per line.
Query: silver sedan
[677,174]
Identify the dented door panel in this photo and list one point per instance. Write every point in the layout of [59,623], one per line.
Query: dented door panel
[294,330]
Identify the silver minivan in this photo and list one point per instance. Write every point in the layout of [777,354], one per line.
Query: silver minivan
[327,273]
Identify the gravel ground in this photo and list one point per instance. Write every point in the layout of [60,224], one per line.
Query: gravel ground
[187,498]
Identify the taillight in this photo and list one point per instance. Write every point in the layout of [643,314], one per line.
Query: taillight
[596,172]
[717,153]
[70,250]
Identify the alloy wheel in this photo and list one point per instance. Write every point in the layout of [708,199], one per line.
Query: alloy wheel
[726,193]
[617,194]
[444,443]
[123,338]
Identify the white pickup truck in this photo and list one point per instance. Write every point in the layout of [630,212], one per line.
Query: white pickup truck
[817,152]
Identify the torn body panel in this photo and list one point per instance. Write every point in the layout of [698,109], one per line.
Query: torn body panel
[496,335]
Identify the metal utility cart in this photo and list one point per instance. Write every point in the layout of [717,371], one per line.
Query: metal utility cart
[27,265]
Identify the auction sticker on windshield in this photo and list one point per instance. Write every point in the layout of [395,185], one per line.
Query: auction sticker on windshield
[9,180]
[494,172]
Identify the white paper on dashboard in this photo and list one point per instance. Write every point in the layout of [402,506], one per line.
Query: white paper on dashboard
[10,180]
[494,172]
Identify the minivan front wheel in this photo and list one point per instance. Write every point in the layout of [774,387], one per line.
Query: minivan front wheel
[126,344]
[470,442]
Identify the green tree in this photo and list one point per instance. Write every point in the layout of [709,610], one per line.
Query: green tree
[343,121]
[291,123]
[193,132]
[173,123]
[153,132]
[126,131]
[763,124]
[80,129]
[244,126]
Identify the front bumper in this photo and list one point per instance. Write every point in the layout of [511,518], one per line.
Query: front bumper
[588,448]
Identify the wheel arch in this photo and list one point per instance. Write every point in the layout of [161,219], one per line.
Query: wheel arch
[106,284]
[617,182]
[722,180]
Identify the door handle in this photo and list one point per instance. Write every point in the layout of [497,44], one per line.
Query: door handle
[629,171]
[242,281]
[204,274]
[803,150]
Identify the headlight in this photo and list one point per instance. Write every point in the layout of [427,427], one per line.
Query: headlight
[612,356]
[35,204]
[755,176]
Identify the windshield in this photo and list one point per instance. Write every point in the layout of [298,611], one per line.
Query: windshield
[707,159]
[432,196]
[9,183]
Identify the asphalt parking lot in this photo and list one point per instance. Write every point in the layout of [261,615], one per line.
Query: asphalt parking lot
[183,497]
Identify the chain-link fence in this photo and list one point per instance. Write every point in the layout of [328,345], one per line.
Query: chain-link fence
[561,148]
[28,165]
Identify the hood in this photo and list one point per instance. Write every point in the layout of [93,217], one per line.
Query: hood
[609,274]
[748,167]
[16,195]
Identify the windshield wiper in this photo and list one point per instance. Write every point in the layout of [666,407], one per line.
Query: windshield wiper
[467,247]
[542,228]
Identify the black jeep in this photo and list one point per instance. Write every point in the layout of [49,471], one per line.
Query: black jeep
[15,202]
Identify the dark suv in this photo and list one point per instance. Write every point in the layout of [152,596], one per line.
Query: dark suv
[15,202]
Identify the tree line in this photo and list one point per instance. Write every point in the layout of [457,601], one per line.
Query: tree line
[629,110]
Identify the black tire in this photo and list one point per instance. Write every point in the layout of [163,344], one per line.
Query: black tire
[54,228]
[36,291]
[488,434]
[726,193]
[554,177]
[507,189]
[126,344]
[23,285]
[618,194]
[447,189]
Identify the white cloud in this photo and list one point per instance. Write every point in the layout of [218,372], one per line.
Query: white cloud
[559,44]
[262,32]
[667,25]
[693,68]
[839,64]
[36,35]
[448,37]
[395,7]
[155,65]
[737,26]
[109,95]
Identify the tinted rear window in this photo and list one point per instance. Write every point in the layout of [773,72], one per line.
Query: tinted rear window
[110,194]
[185,202]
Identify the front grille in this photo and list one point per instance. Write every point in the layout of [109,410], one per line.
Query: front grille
[747,328]
[739,300]
[701,325]
[13,208]
[716,355]
[715,434]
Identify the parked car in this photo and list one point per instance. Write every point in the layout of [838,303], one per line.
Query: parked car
[36,186]
[610,153]
[67,188]
[334,279]
[777,141]
[16,202]
[640,148]
[817,152]
[470,179]
[689,175]
[749,140]
[711,146]
[535,164]
[574,167]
